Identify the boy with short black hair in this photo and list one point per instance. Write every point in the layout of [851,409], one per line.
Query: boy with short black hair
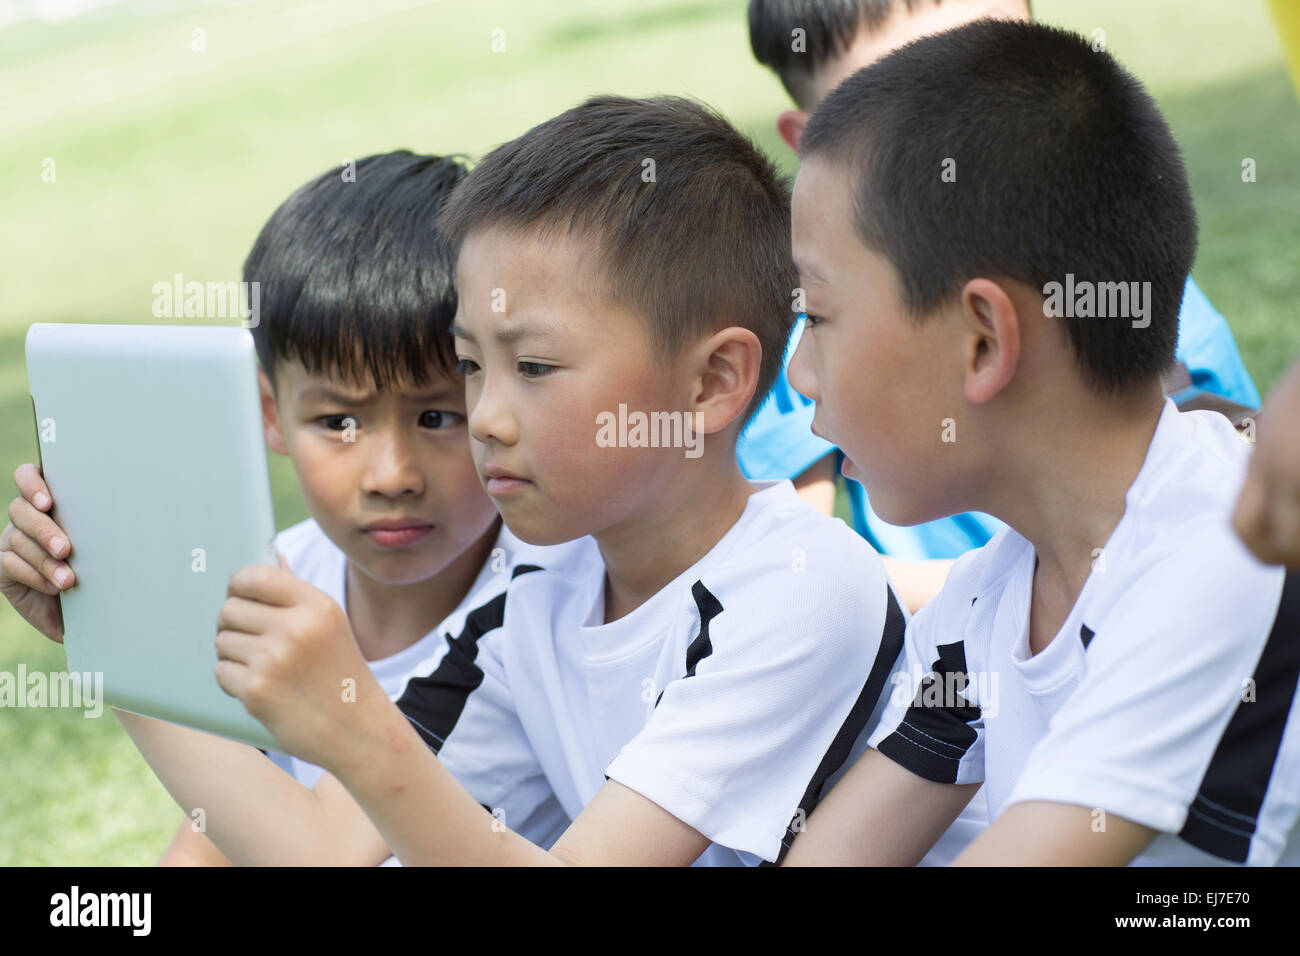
[687,695]
[1114,667]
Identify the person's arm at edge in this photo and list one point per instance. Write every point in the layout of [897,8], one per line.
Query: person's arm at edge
[878,814]
[1267,516]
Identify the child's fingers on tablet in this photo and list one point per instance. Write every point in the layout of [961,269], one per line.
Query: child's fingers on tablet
[31,485]
[39,526]
[56,574]
[232,677]
[237,647]
[241,614]
[18,570]
[260,582]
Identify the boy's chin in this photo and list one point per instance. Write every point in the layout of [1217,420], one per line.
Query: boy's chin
[896,507]
[539,533]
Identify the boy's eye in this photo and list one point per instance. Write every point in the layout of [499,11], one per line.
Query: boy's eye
[466,366]
[435,418]
[535,369]
[337,422]
[810,320]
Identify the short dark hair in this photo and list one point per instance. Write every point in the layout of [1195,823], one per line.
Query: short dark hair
[354,276]
[701,244]
[1063,163]
[829,27]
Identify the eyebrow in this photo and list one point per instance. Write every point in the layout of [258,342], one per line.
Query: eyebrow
[807,271]
[324,394]
[538,328]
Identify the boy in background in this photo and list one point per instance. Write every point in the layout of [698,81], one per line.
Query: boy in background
[837,38]
[1114,667]
[360,390]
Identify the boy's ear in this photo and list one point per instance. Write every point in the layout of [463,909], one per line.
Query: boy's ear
[270,415]
[790,125]
[727,377]
[991,332]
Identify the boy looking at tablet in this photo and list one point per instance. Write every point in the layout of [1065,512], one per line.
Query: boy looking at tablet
[1114,667]
[688,694]
[360,390]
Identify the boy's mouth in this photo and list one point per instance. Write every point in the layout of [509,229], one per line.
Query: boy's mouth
[398,532]
[498,481]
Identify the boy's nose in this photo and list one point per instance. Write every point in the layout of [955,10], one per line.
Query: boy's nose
[490,419]
[391,469]
[800,372]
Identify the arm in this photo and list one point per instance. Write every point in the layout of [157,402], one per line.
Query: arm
[192,848]
[879,814]
[403,788]
[254,812]
[1268,512]
[1057,834]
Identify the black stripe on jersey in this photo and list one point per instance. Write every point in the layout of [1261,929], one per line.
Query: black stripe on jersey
[701,647]
[891,645]
[1222,818]
[1086,634]
[935,732]
[433,704]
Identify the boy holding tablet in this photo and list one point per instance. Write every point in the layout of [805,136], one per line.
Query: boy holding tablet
[359,389]
[1114,667]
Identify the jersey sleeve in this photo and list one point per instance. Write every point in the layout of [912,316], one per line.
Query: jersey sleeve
[934,724]
[464,711]
[782,676]
[1178,721]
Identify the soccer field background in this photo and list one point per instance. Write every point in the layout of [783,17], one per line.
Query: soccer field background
[174,129]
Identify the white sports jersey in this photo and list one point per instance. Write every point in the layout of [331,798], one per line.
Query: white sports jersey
[1167,698]
[729,698]
[318,561]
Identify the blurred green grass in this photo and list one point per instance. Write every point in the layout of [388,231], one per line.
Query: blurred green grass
[169,160]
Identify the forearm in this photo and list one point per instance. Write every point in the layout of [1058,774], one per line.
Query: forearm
[421,811]
[192,848]
[252,811]
[878,814]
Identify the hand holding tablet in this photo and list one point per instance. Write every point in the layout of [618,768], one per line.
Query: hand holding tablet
[152,453]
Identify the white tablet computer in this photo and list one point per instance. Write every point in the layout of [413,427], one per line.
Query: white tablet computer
[150,438]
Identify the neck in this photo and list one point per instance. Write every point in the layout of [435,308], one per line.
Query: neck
[1065,488]
[645,553]
[388,618]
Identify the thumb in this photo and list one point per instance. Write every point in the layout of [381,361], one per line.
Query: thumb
[284,562]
